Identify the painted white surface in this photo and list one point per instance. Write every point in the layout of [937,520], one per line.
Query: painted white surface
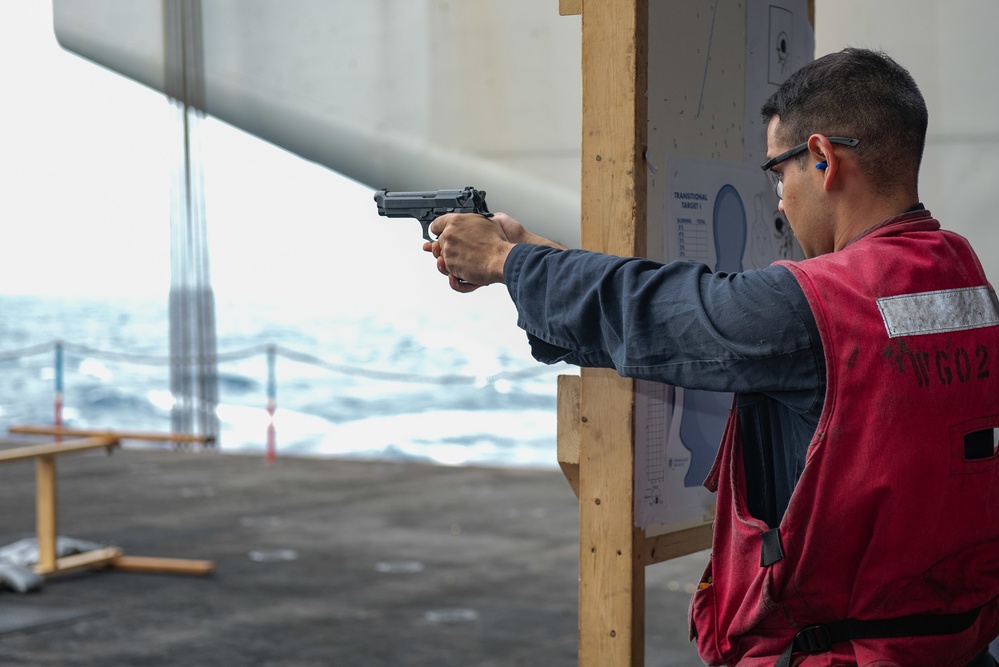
[421,94]
[950,49]
[403,94]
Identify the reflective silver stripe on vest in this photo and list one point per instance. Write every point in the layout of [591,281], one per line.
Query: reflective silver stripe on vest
[938,312]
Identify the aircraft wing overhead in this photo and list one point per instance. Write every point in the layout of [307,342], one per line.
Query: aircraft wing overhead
[402,94]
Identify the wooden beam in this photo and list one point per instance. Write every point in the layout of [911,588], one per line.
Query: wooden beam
[673,545]
[613,187]
[570,7]
[56,448]
[26,429]
[88,560]
[568,429]
[162,565]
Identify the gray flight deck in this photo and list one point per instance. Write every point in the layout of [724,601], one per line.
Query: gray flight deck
[319,562]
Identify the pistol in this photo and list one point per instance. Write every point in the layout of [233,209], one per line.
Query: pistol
[425,206]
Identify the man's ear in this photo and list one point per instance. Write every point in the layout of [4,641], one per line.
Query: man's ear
[826,160]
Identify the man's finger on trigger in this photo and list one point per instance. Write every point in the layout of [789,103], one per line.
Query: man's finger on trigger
[438,225]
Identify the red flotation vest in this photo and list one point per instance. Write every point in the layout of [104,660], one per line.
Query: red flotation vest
[888,553]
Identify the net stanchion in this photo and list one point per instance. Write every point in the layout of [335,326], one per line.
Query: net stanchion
[271,402]
[58,387]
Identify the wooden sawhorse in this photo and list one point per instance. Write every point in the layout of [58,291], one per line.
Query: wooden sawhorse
[46,518]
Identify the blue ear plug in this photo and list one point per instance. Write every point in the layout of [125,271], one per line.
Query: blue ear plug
[821,165]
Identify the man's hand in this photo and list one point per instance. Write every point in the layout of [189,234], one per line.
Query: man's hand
[471,250]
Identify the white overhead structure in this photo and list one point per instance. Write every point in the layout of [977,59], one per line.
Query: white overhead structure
[403,94]
[428,94]
[951,51]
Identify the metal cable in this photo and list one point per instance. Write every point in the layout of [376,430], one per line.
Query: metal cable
[285,352]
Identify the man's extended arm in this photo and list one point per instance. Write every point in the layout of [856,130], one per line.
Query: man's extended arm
[677,323]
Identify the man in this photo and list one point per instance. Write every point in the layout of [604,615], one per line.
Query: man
[857,481]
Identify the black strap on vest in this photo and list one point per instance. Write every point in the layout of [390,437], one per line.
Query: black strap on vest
[819,638]
[771,549]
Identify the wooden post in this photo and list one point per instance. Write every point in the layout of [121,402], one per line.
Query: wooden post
[45,512]
[611,571]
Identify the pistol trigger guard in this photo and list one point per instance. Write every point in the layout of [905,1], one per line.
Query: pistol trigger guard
[426,230]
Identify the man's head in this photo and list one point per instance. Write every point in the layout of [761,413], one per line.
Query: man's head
[855,123]
[861,94]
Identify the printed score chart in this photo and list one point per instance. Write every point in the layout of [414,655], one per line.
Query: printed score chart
[692,238]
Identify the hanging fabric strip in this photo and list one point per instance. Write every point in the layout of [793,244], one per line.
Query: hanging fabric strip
[193,346]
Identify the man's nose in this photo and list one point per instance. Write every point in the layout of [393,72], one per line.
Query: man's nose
[780,206]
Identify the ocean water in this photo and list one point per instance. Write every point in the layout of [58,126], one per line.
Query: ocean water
[406,382]
[299,259]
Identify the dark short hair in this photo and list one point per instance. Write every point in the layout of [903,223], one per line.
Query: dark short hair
[863,94]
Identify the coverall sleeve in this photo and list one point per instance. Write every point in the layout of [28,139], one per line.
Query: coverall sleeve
[677,323]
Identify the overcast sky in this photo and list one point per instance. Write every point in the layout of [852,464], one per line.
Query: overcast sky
[82,169]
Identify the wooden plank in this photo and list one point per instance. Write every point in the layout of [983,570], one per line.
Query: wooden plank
[613,186]
[673,545]
[56,448]
[568,429]
[570,7]
[87,560]
[27,429]
[163,565]
[45,512]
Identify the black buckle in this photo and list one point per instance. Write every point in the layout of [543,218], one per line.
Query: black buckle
[813,639]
